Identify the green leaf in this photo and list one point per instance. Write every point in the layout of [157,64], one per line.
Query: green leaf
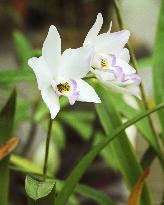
[144,63]
[85,162]
[58,134]
[83,125]
[9,77]
[129,112]
[97,196]
[158,66]
[25,164]
[148,157]
[22,113]
[38,189]
[88,192]
[120,148]
[6,125]
[106,153]
[143,125]
[23,47]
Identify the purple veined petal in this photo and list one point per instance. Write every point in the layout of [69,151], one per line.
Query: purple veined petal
[74,84]
[72,98]
[118,71]
[112,58]
[133,77]
[75,94]
[72,94]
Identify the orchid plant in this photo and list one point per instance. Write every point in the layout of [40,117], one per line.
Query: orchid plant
[98,72]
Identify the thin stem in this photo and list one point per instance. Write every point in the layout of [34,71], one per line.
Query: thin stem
[134,63]
[47,147]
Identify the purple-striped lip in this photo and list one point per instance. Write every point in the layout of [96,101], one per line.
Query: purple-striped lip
[71,93]
[119,74]
[132,77]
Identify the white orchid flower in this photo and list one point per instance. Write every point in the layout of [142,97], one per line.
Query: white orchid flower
[60,74]
[110,63]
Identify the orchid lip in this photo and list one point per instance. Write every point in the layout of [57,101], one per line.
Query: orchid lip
[120,77]
[68,89]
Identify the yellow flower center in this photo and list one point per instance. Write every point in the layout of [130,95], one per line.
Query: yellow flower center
[63,88]
[104,63]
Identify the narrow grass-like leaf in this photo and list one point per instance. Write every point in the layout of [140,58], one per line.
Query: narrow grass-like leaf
[143,125]
[120,147]
[97,196]
[15,76]
[158,66]
[129,112]
[85,162]
[145,63]
[148,157]
[23,47]
[83,125]
[6,125]
[81,189]
[25,164]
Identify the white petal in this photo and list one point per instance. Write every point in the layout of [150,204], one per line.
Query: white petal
[51,50]
[103,76]
[124,55]
[51,100]
[132,89]
[41,70]
[93,32]
[127,69]
[87,93]
[75,63]
[111,43]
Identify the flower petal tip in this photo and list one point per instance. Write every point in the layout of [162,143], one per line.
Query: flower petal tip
[98,100]
[52,27]
[99,18]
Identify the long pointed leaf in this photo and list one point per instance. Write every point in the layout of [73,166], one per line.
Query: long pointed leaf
[120,147]
[85,162]
[158,66]
[23,47]
[6,124]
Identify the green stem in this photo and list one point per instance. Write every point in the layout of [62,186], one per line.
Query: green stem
[47,148]
[134,63]
[131,51]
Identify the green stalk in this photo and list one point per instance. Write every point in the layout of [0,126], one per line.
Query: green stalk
[47,148]
[134,63]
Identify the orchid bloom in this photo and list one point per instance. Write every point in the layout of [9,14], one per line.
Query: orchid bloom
[60,74]
[110,62]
